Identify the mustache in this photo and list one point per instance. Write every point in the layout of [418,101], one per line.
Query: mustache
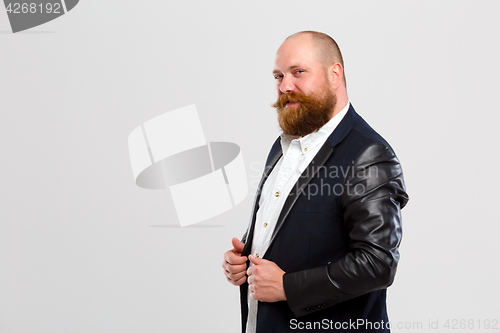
[290,98]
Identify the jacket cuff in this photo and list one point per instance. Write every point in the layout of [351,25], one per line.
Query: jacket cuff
[311,290]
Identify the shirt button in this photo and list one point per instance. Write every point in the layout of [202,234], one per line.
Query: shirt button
[277,194]
[265,225]
[256,255]
[305,149]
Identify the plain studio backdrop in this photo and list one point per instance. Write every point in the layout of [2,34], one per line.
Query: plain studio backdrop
[83,249]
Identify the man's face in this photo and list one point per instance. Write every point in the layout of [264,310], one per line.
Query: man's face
[305,97]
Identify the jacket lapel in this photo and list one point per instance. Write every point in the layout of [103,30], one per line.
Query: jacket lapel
[249,233]
[304,179]
[344,127]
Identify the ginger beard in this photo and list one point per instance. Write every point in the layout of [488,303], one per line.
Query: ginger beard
[311,113]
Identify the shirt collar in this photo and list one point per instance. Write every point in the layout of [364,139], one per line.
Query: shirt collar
[311,140]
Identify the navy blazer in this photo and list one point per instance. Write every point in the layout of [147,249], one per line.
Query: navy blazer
[336,237]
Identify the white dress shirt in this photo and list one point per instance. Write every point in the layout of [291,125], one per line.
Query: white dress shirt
[297,154]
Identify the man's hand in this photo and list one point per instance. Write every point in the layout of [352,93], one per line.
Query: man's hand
[234,264]
[265,281]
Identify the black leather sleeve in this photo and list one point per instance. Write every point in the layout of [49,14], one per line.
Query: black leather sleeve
[374,193]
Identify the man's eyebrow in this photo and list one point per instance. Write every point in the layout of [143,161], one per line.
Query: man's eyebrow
[277,71]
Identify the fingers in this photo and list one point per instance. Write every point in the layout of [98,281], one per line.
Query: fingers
[240,281]
[234,269]
[251,279]
[253,273]
[251,288]
[256,261]
[235,276]
[234,272]
[235,264]
[259,266]
[251,270]
[234,258]
[238,246]
[236,279]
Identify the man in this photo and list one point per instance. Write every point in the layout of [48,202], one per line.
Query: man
[322,245]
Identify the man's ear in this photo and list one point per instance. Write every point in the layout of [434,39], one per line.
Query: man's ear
[335,73]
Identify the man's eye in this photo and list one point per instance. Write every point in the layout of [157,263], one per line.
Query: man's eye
[298,71]
[278,76]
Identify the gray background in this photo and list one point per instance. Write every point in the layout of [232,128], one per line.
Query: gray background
[83,249]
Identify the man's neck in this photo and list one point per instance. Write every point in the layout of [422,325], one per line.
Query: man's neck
[340,105]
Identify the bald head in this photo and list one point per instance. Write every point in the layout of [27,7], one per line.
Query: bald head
[325,48]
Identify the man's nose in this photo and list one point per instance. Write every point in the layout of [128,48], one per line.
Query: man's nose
[286,85]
